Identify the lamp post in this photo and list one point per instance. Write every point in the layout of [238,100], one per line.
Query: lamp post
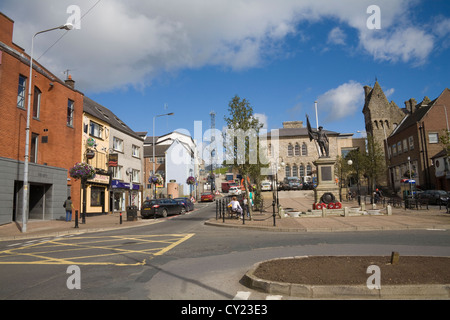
[350,162]
[25,200]
[154,155]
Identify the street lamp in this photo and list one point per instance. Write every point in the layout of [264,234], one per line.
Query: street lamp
[154,156]
[25,200]
[350,162]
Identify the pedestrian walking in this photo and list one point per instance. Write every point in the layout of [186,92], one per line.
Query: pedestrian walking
[69,207]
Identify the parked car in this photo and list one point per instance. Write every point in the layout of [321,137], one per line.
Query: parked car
[234,191]
[435,196]
[292,183]
[161,207]
[187,203]
[266,186]
[308,186]
[207,196]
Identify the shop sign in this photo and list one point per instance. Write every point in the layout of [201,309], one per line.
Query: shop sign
[99,178]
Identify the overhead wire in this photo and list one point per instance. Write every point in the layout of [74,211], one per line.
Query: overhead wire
[64,34]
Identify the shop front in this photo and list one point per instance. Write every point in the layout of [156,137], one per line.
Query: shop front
[97,195]
[122,196]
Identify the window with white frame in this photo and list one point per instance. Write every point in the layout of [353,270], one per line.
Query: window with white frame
[136,176]
[405,145]
[96,130]
[70,110]
[117,172]
[117,144]
[135,151]
[21,92]
[399,147]
[433,137]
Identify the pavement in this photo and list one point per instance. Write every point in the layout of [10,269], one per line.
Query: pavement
[401,219]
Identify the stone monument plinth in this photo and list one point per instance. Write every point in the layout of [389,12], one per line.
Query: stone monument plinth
[327,190]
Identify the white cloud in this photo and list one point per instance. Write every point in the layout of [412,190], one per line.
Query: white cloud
[336,36]
[342,101]
[133,42]
[407,45]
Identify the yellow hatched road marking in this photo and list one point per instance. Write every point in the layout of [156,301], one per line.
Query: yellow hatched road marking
[69,245]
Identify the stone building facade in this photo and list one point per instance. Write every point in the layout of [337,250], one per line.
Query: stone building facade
[381,118]
[291,152]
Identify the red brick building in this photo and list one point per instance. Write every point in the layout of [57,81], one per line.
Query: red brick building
[55,134]
[415,141]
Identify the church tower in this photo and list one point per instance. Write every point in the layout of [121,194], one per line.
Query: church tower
[381,117]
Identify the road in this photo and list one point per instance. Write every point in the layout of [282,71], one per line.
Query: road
[179,259]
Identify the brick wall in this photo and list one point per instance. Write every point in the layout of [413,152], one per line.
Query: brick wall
[63,146]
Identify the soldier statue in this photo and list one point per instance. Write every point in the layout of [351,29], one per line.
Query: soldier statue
[321,138]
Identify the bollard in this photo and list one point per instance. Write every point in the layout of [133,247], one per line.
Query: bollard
[273,206]
[83,218]
[244,212]
[217,207]
[120,217]
[76,219]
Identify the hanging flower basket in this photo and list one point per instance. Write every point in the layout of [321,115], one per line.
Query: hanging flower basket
[82,171]
[190,181]
[156,179]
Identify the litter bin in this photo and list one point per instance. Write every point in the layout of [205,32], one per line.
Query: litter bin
[132,213]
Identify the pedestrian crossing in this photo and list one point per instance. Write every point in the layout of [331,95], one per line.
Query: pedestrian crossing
[245,295]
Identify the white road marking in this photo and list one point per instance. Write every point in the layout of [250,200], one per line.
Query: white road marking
[242,295]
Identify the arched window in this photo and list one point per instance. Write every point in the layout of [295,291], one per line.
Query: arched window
[297,149]
[304,149]
[290,150]
[308,170]
[302,170]
[288,171]
[294,170]
[270,150]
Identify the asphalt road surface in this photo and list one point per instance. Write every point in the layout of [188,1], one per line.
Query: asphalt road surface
[179,259]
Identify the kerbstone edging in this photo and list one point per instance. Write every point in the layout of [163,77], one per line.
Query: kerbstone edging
[435,291]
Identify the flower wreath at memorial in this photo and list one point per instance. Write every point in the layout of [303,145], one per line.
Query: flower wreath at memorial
[82,171]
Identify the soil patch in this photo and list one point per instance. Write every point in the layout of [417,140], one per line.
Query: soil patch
[352,270]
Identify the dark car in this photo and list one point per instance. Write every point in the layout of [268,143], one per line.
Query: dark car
[292,183]
[187,203]
[208,196]
[161,207]
[434,196]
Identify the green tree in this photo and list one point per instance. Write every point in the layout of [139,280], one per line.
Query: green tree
[242,142]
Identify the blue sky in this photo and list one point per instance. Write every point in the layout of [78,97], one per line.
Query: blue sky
[145,58]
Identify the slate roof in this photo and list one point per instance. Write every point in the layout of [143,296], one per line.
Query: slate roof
[97,110]
[159,150]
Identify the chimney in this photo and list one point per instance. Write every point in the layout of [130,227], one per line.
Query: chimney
[292,124]
[410,104]
[70,82]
